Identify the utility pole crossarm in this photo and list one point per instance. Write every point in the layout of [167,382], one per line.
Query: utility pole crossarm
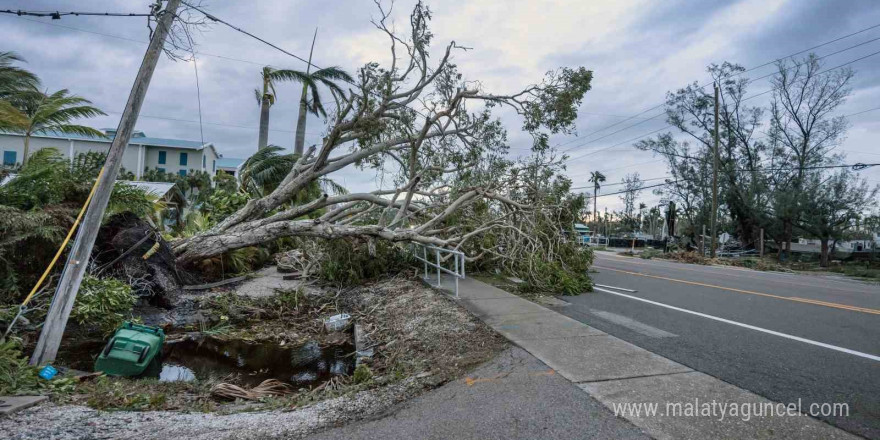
[77,260]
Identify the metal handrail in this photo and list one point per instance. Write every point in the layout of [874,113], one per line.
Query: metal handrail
[458,262]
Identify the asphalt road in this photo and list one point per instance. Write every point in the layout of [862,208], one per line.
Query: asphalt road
[790,338]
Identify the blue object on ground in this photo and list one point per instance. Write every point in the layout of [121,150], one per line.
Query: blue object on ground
[48,372]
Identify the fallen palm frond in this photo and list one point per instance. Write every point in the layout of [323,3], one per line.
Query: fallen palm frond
[267,388]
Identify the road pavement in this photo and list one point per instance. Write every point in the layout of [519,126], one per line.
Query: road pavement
[790,338]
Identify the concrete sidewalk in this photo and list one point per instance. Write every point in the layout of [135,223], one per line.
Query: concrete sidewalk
[515,396]
[616,372]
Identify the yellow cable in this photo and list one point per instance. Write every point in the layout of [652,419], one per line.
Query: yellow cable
[66,240]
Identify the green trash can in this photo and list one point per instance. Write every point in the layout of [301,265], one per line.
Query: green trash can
[130,350]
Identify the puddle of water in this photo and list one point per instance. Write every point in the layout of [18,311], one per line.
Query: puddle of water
[251,363]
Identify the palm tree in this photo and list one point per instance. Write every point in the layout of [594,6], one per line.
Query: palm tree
[36,112]
[266,99]
[596,177]
[14,79]
[324,76]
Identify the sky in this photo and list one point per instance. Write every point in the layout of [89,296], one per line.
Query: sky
[637,49]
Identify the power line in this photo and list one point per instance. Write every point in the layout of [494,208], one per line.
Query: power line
[119,37]
[744,99]
[748,82]
[744,72]
[855,166]
[218,20]
[220,124]
[308,62]
[57,15]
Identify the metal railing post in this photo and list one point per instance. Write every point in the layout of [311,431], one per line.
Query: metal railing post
[425,255]
[462,266]
[437,251]
[456,271]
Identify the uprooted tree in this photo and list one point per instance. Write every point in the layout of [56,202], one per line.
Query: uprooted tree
[434,133]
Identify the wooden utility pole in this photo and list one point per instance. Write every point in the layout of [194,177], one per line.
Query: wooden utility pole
[715,181]
[761,244]
[77,260]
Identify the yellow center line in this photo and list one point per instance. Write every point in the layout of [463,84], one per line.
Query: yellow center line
[751,292]
[721,271]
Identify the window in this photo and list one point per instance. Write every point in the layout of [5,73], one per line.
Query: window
[161,170]
[9,158]
[214,166]
[204,161]
[182,172]
[161,158]
[183,159]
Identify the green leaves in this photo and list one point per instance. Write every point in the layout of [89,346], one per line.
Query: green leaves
[104,303]
[554,103]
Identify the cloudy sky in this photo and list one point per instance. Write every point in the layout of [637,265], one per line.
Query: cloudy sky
[638,50]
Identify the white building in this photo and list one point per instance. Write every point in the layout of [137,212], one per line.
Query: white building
[142,152]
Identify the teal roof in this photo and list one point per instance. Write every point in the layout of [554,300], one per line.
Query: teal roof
[138,139]
[55,134]
[160,142]
[229,162]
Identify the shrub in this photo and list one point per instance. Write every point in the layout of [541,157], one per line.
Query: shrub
[104,303]
[567,275]
[649,253]
[362,374]
[17,377]
[351,261]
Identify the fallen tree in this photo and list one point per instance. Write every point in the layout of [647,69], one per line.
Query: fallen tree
[413,121]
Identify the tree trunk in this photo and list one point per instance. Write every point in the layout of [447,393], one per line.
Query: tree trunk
[301,123]
[264,123]
[27,144]
[823,259]
[595,213]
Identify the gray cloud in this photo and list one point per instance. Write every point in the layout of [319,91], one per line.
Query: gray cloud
[638,49]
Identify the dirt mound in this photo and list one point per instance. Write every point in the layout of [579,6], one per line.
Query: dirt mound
[122,245]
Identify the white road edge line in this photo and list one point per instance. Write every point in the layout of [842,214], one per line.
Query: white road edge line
[616,288]
[750,327]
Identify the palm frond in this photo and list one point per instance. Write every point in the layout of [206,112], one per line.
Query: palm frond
[14,78]
[290,75]
[317,108]
[328,75]
[263,171]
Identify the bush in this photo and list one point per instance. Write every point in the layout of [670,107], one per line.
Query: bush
[104,303]
[19,378]
[362,374]
[555,277]
[649,253]
[16,376]
[351,261]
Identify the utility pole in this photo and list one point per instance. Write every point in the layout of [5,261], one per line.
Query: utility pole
[715,181]
[761,244]
[77,260]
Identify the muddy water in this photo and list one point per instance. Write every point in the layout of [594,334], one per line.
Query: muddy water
[234,361]
[253,363]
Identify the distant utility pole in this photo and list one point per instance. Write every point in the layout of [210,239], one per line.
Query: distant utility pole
[715,181]
[78,259]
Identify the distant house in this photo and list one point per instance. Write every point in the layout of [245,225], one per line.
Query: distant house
[175,156]
[168,194]
[229,165]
